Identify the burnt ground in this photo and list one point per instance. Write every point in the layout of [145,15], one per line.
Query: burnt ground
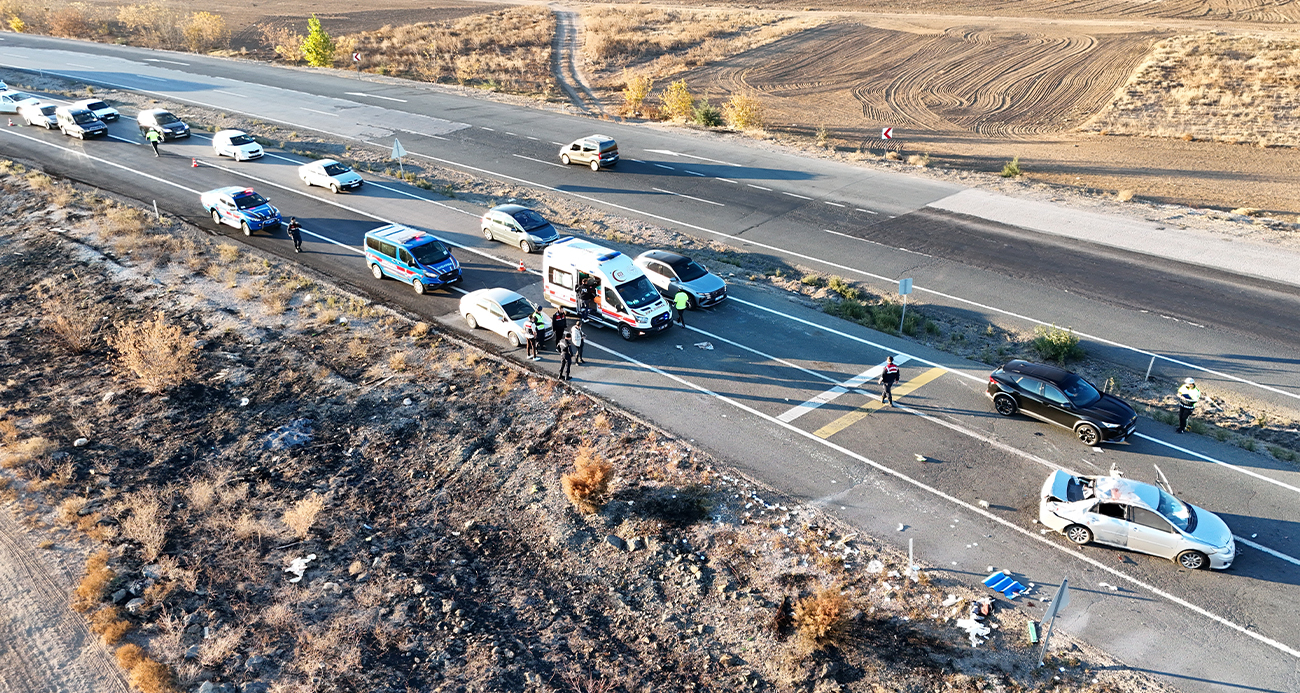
[421,478]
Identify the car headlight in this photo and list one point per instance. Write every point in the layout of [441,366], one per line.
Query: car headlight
[1109,425]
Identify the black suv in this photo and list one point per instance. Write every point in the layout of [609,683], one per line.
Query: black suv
[1060,397]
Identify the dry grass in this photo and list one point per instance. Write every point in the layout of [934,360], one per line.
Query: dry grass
[220,646]
[587,487]
[158,354]
[72,325]
[821,617]
[146,524]
[1236,88]
[109,625]
[507,49]
[90,591]
[26,451]
[302,515]
[128,656]
[201,494]
[149,676]
[228,253]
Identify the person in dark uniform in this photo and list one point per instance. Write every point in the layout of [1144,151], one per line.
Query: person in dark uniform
[295,233]
[560,321]
[565,348]
[888,377]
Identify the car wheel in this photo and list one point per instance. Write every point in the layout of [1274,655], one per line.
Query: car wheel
[526,246]
[334,188]
[418,286]
[595,164]
[626,332]
[243,226]
[1088,434]
[515,341]
[469,320]
[216,218]
[1005,404]
[1193,560]
[1078,534]
[376,272]
[487,234]
[564,159]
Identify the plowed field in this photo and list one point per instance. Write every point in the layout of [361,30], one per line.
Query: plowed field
[1261,11]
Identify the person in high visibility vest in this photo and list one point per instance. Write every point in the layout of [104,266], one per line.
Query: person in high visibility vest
[888,377]
[681,301]
[1188,396]
[154,138]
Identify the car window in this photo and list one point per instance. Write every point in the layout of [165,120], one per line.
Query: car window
[84,118]
[1031,385]
[1080,391]
[561,278]
[405,256]
[609,146]
[519,308]
[659,269]
[242,139]
[529,219]
[1114,510]
[97,106]
[588,148]
[496,312]
[165,119]
[638,293]
[689,271]
[1179,513]
[250,201]
[388,249]
[575,147]
[48,110]
[336,169]
[612,300]
[1053,394]
[431,253]
[1146,518]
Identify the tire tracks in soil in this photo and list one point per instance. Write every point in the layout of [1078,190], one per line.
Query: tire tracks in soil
[565,57]
[44,644]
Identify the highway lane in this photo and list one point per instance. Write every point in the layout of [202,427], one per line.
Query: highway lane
[969,442]
[1200,320]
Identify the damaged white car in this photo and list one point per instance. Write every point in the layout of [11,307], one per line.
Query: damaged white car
[1139,517]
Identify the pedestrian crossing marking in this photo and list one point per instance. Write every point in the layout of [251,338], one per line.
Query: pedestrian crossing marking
[829,395]
[900,390]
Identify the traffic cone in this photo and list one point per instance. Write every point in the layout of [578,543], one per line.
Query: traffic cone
[521,266]
[194,162]
[11,122]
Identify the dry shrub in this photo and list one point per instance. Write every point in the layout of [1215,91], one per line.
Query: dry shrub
[636,88]
[201,495]
[72,21]
[743,112]
[26,451]
[158,354]
[821,617]
[587,487]
[72,325]
[228,253]
[69,508]
[399,361]
[146,524]
[420,329]
[154,25]
[286,42]
[358,349]
[601,422]
[108,624]
[128,656]
[205,31]
[120,220]
[276,299]
[678,102]
[220,646]
[149,676]
[1124,195]
[90,591]
[303,514]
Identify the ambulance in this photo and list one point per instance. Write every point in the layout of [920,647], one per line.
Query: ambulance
[605,287]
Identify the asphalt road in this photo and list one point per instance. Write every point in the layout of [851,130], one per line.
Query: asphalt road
[740,399]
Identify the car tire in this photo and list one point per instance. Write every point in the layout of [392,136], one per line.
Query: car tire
[564,159]
[487,234]
[334,188]
[418,286]
[216,218]
[1078,534]
[1005,404]
[1088,434]
[515,341]
[376,272]
[469,320]
[595,164]
[627,333]
[526,246]
[1193,560]
[243,226]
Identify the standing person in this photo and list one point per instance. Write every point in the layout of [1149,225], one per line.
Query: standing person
[577,338]
[295,233]
[680,301]
[888,377]
[586,298]
[1188,396]
[560,321]
[530,337]
[154,138]
[565,348]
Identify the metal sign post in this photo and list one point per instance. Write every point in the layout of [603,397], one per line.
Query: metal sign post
[398,153]
[1059,601]
[904,288]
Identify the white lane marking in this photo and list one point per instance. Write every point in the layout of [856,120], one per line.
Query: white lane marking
[689,197]
[802,197]
[833,204]
[866,210]
[1034,536]
[227,93]
[871,242]
[1265,549]
[548,163]
[332,115]
[727,180]
[1207,458]
[636,160]
[561,144]
[489,129]
[511,134]
[160,60]
[693,173]
[88,67]
[830,395]
[156,79]
[374,96]
[532,138]
[670,168]
[669,152]
[422,134]
[122,139]
[758,187]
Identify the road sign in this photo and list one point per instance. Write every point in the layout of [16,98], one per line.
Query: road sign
[356,57]
[887,133]
[905,286]
[398,151]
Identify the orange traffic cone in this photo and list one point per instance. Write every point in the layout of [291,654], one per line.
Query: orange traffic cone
[11,122]
[194,163]
[521,266]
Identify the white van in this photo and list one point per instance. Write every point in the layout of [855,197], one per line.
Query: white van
[605,286]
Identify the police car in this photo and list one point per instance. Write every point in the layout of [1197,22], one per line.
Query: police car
[241,208]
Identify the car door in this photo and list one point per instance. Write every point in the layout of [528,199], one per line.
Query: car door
[226,208]
[1030,392]
[7,105]
[1057,407]
[497,320]
[658,274]
[505,228]
[1151,533]
[1109,523]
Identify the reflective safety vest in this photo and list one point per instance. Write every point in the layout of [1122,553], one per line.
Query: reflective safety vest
[1188,396]
[681,301]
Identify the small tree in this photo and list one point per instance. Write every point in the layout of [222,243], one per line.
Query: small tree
[743,112]
[636,88]
[678,102]
[318,47]
[206,31]
[706,114]
[1012,168]
[286,42]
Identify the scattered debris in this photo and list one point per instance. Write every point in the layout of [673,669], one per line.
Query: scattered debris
[299,566]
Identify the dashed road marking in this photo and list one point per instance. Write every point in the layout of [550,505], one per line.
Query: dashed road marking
[374,96]
[833,204]
[727,180]
[332,115]
[689,197]
[802,197]
[540,161]
[759,187]
[693,173]
[670,168]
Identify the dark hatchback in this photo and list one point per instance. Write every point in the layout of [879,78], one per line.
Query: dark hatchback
[1057,396]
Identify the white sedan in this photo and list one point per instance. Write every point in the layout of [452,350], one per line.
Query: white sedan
[502,311]
[237,145]
[10,100]
[329,173]
[41,114]
[101,110]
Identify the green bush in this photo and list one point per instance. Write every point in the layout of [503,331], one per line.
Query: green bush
[842,287]
[1012,168]
[813,280]
[1055,344]
[1246,442]
[706,114]
[1199,427]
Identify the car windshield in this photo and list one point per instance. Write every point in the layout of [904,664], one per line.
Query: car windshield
[431,253]
[1177,512]
[249,201]
[97,106]
[84,117]
[242,139]
[166,118]
[608,146]
[1080,392]
[336,169]
[529,219]
[519,308]
[689,270]
[19,97]
[638,293]
[48,110]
